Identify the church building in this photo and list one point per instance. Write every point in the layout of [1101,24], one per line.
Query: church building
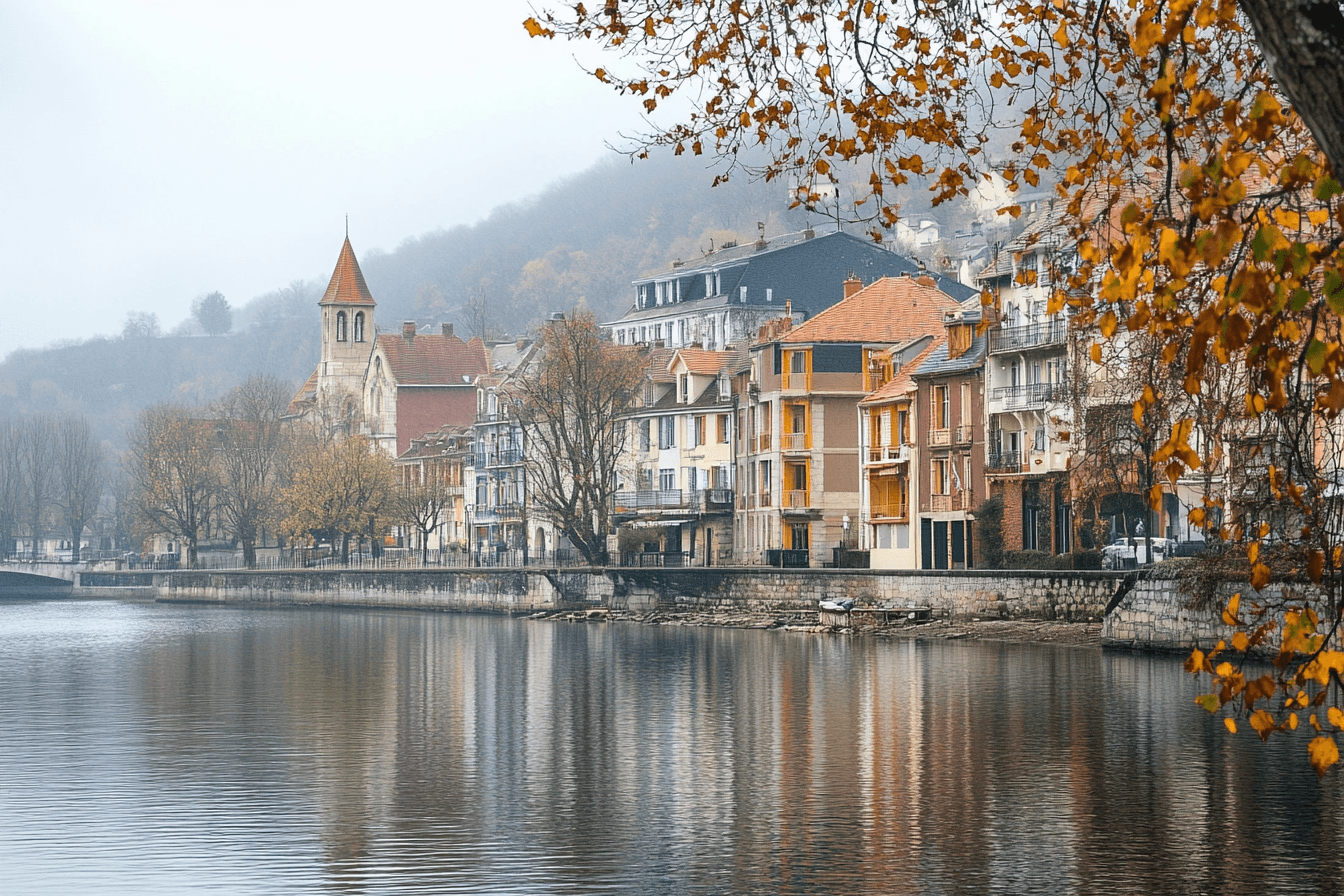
[392,387]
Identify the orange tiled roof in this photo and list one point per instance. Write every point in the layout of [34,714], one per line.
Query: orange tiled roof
[903,382]
[305,394]
[704,362]
[434,360]
[894,309]
[347,286]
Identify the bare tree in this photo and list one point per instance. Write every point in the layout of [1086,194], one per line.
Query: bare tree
[251,442]
[570,405]
[37,455]
[171,462]
[11,485]
[80,477]
[422,505]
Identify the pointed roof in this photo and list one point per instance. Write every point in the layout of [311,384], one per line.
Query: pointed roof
[347,286]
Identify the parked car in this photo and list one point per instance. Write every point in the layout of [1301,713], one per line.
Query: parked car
[1127,553]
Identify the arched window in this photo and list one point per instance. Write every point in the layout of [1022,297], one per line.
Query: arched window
[340,326]
[359,326]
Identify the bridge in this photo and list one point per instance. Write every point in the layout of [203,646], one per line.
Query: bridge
[21,578]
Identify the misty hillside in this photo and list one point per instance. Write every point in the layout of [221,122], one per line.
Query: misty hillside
[582,240]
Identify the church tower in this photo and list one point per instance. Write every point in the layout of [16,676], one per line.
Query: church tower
[347,328]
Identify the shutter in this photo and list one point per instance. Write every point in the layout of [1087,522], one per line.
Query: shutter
[926,543]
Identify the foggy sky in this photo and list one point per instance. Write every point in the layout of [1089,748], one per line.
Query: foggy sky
[155,151]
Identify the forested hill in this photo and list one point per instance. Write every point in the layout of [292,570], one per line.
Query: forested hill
[582,240]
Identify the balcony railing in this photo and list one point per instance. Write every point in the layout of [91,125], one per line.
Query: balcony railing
[1005,462]
[1012,339]
[964,433]
[498,512]
[763,442]
[673,498]
[795,441]
[1031,394]
[797,499]
[500,458]
[889,510]
[887,453]
[962,500]
[940,437]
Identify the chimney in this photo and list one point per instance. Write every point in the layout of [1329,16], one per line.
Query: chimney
[852,285]
[809,233]
[447,329]
[926,280]
[408,330]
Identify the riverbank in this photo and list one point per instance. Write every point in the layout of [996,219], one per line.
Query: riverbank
[1078,634]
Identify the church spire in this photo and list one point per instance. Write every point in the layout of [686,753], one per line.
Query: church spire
[347,286]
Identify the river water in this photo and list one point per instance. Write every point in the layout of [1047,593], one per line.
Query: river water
[167,749]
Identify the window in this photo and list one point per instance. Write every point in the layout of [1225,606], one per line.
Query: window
[902,427]
[340,326]
[681,331]
[721,434]
[742,294]
[797,533]
[699,430]
[359,326]
[667,437]
[942,407]
[644,435]
[657,332]
[667,479]
[769,294]
[941,484]
[1028,268]
[965,412]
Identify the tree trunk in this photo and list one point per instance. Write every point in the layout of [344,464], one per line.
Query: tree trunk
[1303,44]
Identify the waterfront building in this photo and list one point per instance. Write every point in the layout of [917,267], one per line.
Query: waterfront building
[674,505]
[798,461]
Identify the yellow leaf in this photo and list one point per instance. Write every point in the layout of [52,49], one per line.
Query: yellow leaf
[1230,614]
[1239,641]
[1263,723]
[1231,724]
[1335,716]
[1323,753]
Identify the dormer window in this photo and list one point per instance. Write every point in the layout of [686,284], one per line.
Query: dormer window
[684,388]
[340,326]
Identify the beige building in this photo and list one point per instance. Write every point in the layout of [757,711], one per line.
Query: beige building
[799,466]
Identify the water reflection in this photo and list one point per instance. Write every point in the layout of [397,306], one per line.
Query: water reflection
[170,749]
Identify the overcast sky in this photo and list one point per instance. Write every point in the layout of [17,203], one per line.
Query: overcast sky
[154,151]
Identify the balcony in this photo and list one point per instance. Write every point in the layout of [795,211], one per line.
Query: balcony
[891,511]
[795,441]
[1031,395]
[796,500]
[763,442]
[498,513]
[940,438]
[964,433]
[712,499]
[503,457]
[889,454]
[1016,339]
[1004,462]
[962,500]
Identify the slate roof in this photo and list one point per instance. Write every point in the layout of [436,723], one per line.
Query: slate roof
[807,272]
[903,382]
[433,359]
[894,309]
[938,363]
[347,286]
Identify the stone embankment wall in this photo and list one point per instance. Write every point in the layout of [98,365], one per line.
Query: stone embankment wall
[989,594]
[467,590]
[1156,615]
[1076,596]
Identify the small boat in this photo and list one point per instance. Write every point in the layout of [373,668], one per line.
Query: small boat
[837,606]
